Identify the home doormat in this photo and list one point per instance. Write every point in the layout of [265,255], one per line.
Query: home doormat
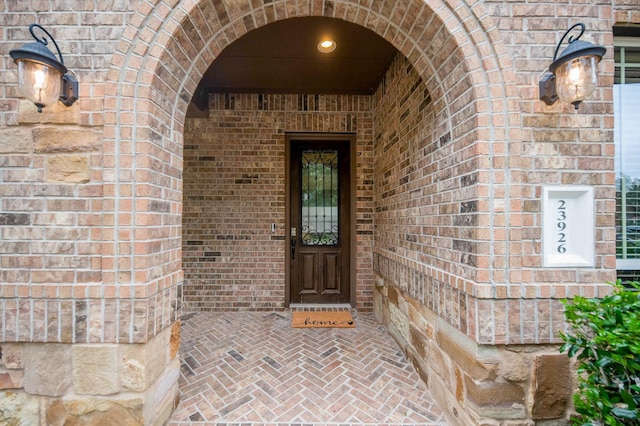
[322,319]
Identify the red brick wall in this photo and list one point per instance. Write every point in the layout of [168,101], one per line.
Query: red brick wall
[234,189]
[139,64]
[91,231]
[429,238]
[458,207]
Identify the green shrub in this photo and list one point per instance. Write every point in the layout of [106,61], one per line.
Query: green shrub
[604,334]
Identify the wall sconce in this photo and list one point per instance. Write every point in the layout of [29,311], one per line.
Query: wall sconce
[573,74]
[41,77]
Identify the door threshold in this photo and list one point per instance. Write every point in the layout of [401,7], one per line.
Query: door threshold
[320,306]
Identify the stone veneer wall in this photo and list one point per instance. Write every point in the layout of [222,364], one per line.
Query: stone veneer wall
[234,189]
[61,384]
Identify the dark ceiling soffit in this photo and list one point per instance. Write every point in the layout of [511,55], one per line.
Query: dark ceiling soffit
[282,58]
[201,96]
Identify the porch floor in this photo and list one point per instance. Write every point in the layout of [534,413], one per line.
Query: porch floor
[253,368]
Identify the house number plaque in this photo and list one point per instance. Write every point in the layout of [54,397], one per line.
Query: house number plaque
[568,226]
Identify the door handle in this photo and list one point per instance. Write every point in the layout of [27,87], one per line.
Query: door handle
[293,248]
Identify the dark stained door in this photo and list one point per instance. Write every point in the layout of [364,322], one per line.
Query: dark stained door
[319,237]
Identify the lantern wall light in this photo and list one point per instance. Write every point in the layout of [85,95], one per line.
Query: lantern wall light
[43,79]
[572,75]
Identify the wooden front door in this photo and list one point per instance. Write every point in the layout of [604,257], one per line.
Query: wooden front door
[320,231]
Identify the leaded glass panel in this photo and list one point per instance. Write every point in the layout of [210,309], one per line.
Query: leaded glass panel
[320,177]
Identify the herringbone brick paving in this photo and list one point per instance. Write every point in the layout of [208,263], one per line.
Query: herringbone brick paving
[253,368]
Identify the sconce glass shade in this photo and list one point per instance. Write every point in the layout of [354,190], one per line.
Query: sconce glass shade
[42,78]
[576,79]
[573,74]
[39,83]
[575,71]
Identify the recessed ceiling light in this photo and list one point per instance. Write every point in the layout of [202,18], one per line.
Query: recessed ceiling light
[327,46]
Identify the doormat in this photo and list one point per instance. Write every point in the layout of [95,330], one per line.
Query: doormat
[322,319]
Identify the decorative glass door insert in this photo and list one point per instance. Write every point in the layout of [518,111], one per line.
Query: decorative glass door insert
[320,197]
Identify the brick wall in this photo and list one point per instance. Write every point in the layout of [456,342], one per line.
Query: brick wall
[477,79]
[458,216]
[234,189]
[457,227]
[91,230]
[560,146]
[64,298]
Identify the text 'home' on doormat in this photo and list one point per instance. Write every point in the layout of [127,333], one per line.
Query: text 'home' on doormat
[322,319]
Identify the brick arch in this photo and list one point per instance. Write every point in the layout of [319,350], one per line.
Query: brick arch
[165,50]
[170,49]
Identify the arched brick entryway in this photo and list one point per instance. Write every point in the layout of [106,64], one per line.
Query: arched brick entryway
[165,51]
[456,53]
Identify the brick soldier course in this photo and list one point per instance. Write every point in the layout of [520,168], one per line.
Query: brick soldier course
[102,245]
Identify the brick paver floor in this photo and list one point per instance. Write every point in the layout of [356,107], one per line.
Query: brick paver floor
[254,369]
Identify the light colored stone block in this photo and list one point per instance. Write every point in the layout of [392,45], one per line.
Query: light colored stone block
[134,375]
[158,354]
[400,321]
[19,408]
[68,168]
[162,394]
[47,369]
[16,140]
[142,364]
[456,413]
[56,114]
[95,412]
[481,362]
[515,365]
[440,365]
[61,139]
[96,369]
[496,400]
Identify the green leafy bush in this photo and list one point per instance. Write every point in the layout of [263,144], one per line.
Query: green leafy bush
[605,336]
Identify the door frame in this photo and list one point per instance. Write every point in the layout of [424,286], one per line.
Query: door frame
[349,138]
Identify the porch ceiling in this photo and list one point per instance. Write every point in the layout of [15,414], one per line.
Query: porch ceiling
[282,57]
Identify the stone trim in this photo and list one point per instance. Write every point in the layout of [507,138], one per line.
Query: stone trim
[90,383]
[476,383]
